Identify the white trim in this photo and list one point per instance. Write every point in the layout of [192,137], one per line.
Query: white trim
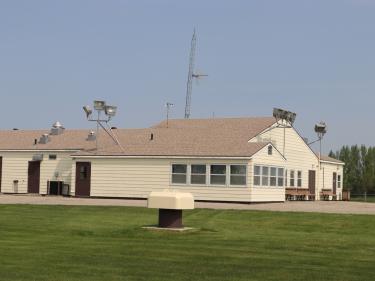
[39,150]
[160,157]
[334,163]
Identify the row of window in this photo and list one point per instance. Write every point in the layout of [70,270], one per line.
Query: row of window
[292,180]
[202,174]
[268,176]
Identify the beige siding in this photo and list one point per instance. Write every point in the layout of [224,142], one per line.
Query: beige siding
[266,194]
[299,156]
[55,170]
[326,176]
[15,167]
[138,177]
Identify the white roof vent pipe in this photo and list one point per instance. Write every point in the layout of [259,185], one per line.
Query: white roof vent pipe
[57,129]
[91,136]
[44,139]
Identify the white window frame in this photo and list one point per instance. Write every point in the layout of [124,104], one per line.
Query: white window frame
[273,177]
[299,178]
[292,172]
[208,174]
[192,174]
[269,176]
[257,175]
[339,182]
[278,177]
[237,175]
[226,175]
[187,174]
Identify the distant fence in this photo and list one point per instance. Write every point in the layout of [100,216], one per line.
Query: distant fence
[362,197]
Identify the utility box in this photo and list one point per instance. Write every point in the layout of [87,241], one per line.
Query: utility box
[170,205]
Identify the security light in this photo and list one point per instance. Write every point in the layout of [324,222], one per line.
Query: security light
[321,129]
[99,105]
[110,110]
[88,111]
[284,115]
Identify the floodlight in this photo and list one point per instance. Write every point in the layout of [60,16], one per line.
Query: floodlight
[110,110]
[291,117]
[99,105]
[321,129]
[277,113]
[87,110]
[281,114]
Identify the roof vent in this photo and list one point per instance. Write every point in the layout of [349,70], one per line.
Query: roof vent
[91,136]
[57,129]
[44,139]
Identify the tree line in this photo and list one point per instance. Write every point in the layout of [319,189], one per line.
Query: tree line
[359,169]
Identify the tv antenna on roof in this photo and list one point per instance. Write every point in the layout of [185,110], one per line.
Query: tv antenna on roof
[191,76]
[168,105]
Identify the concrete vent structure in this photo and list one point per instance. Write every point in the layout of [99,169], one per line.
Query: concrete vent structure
[91,136]
[57,129]
[44,139]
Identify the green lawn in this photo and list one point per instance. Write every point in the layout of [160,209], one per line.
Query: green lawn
[107,243]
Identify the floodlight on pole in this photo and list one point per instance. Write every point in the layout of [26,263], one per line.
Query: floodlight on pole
[284,115]
[99,105]
[110,111]
[88,111]
[321,129]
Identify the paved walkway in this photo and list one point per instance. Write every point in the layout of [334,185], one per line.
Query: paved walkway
[339,207]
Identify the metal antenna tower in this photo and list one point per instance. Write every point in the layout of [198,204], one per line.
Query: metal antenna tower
[191,75]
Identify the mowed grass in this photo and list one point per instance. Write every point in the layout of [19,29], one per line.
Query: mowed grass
[107,243]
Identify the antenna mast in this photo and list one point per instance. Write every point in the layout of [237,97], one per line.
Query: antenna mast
[191,76]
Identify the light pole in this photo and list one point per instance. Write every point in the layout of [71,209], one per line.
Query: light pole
[109,111]
[320,130]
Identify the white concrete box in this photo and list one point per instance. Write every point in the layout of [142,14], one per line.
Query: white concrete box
[170,200]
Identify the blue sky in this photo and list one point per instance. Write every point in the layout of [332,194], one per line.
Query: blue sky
[316,58]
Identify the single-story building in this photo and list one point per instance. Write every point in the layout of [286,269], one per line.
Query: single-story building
[229,159]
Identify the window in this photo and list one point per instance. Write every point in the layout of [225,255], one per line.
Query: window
[286,178]
[265,174]
[52,157]
[198,174]
[280,177]
[83,172]
[269,176]
[218,174]
[338,181]
[292,178]
[179,172]
[257,175]
[273,177]
[270,150]
[238,175]
[299,178]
